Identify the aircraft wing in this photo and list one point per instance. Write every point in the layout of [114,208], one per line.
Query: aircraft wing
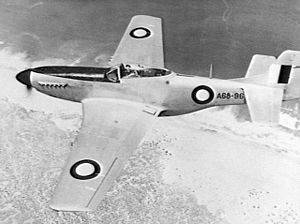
[141,43]
[111,130]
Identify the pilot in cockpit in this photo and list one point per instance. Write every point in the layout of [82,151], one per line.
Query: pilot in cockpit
[130,73]
[138,71]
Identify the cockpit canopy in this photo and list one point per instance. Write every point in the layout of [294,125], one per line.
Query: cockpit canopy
[134,71]
[138,71]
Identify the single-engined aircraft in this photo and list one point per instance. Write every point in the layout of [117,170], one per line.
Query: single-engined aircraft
[121,102]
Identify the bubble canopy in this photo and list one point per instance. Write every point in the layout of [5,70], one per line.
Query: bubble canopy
[138,71]
[127,71]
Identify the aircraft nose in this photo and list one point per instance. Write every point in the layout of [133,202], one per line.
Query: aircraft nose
[24,77]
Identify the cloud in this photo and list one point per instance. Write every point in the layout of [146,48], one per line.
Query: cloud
[102,59]
[20,60]
[11,63]
[34,36]
[36,5]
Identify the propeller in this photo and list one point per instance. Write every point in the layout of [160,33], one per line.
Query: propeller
[24,78]
[29,89]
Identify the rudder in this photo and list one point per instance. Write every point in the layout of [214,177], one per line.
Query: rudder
[291,60]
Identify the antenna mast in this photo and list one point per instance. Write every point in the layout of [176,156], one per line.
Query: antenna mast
[211,70]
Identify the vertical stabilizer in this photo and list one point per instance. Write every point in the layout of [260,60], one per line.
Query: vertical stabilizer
[291,59]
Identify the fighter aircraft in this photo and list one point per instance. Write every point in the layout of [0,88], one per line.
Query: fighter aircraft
[121,102]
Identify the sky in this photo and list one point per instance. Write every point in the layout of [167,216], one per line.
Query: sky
[197,33]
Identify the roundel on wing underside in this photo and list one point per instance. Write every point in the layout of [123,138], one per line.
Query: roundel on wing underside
[140,32]
[203,94]
[85,169]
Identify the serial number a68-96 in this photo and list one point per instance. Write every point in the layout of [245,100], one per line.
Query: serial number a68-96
[236,96]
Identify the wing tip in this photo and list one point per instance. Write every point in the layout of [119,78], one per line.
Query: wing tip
[69,208]
[145,17]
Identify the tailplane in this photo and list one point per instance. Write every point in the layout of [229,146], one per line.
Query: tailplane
[264,103]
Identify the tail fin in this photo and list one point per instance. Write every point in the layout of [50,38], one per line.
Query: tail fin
[268,81]
[282,72]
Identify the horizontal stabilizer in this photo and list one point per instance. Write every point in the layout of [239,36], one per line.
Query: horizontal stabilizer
[264,103]
[259,65]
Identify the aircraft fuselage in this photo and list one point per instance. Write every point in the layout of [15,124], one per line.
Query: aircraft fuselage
[175,93]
